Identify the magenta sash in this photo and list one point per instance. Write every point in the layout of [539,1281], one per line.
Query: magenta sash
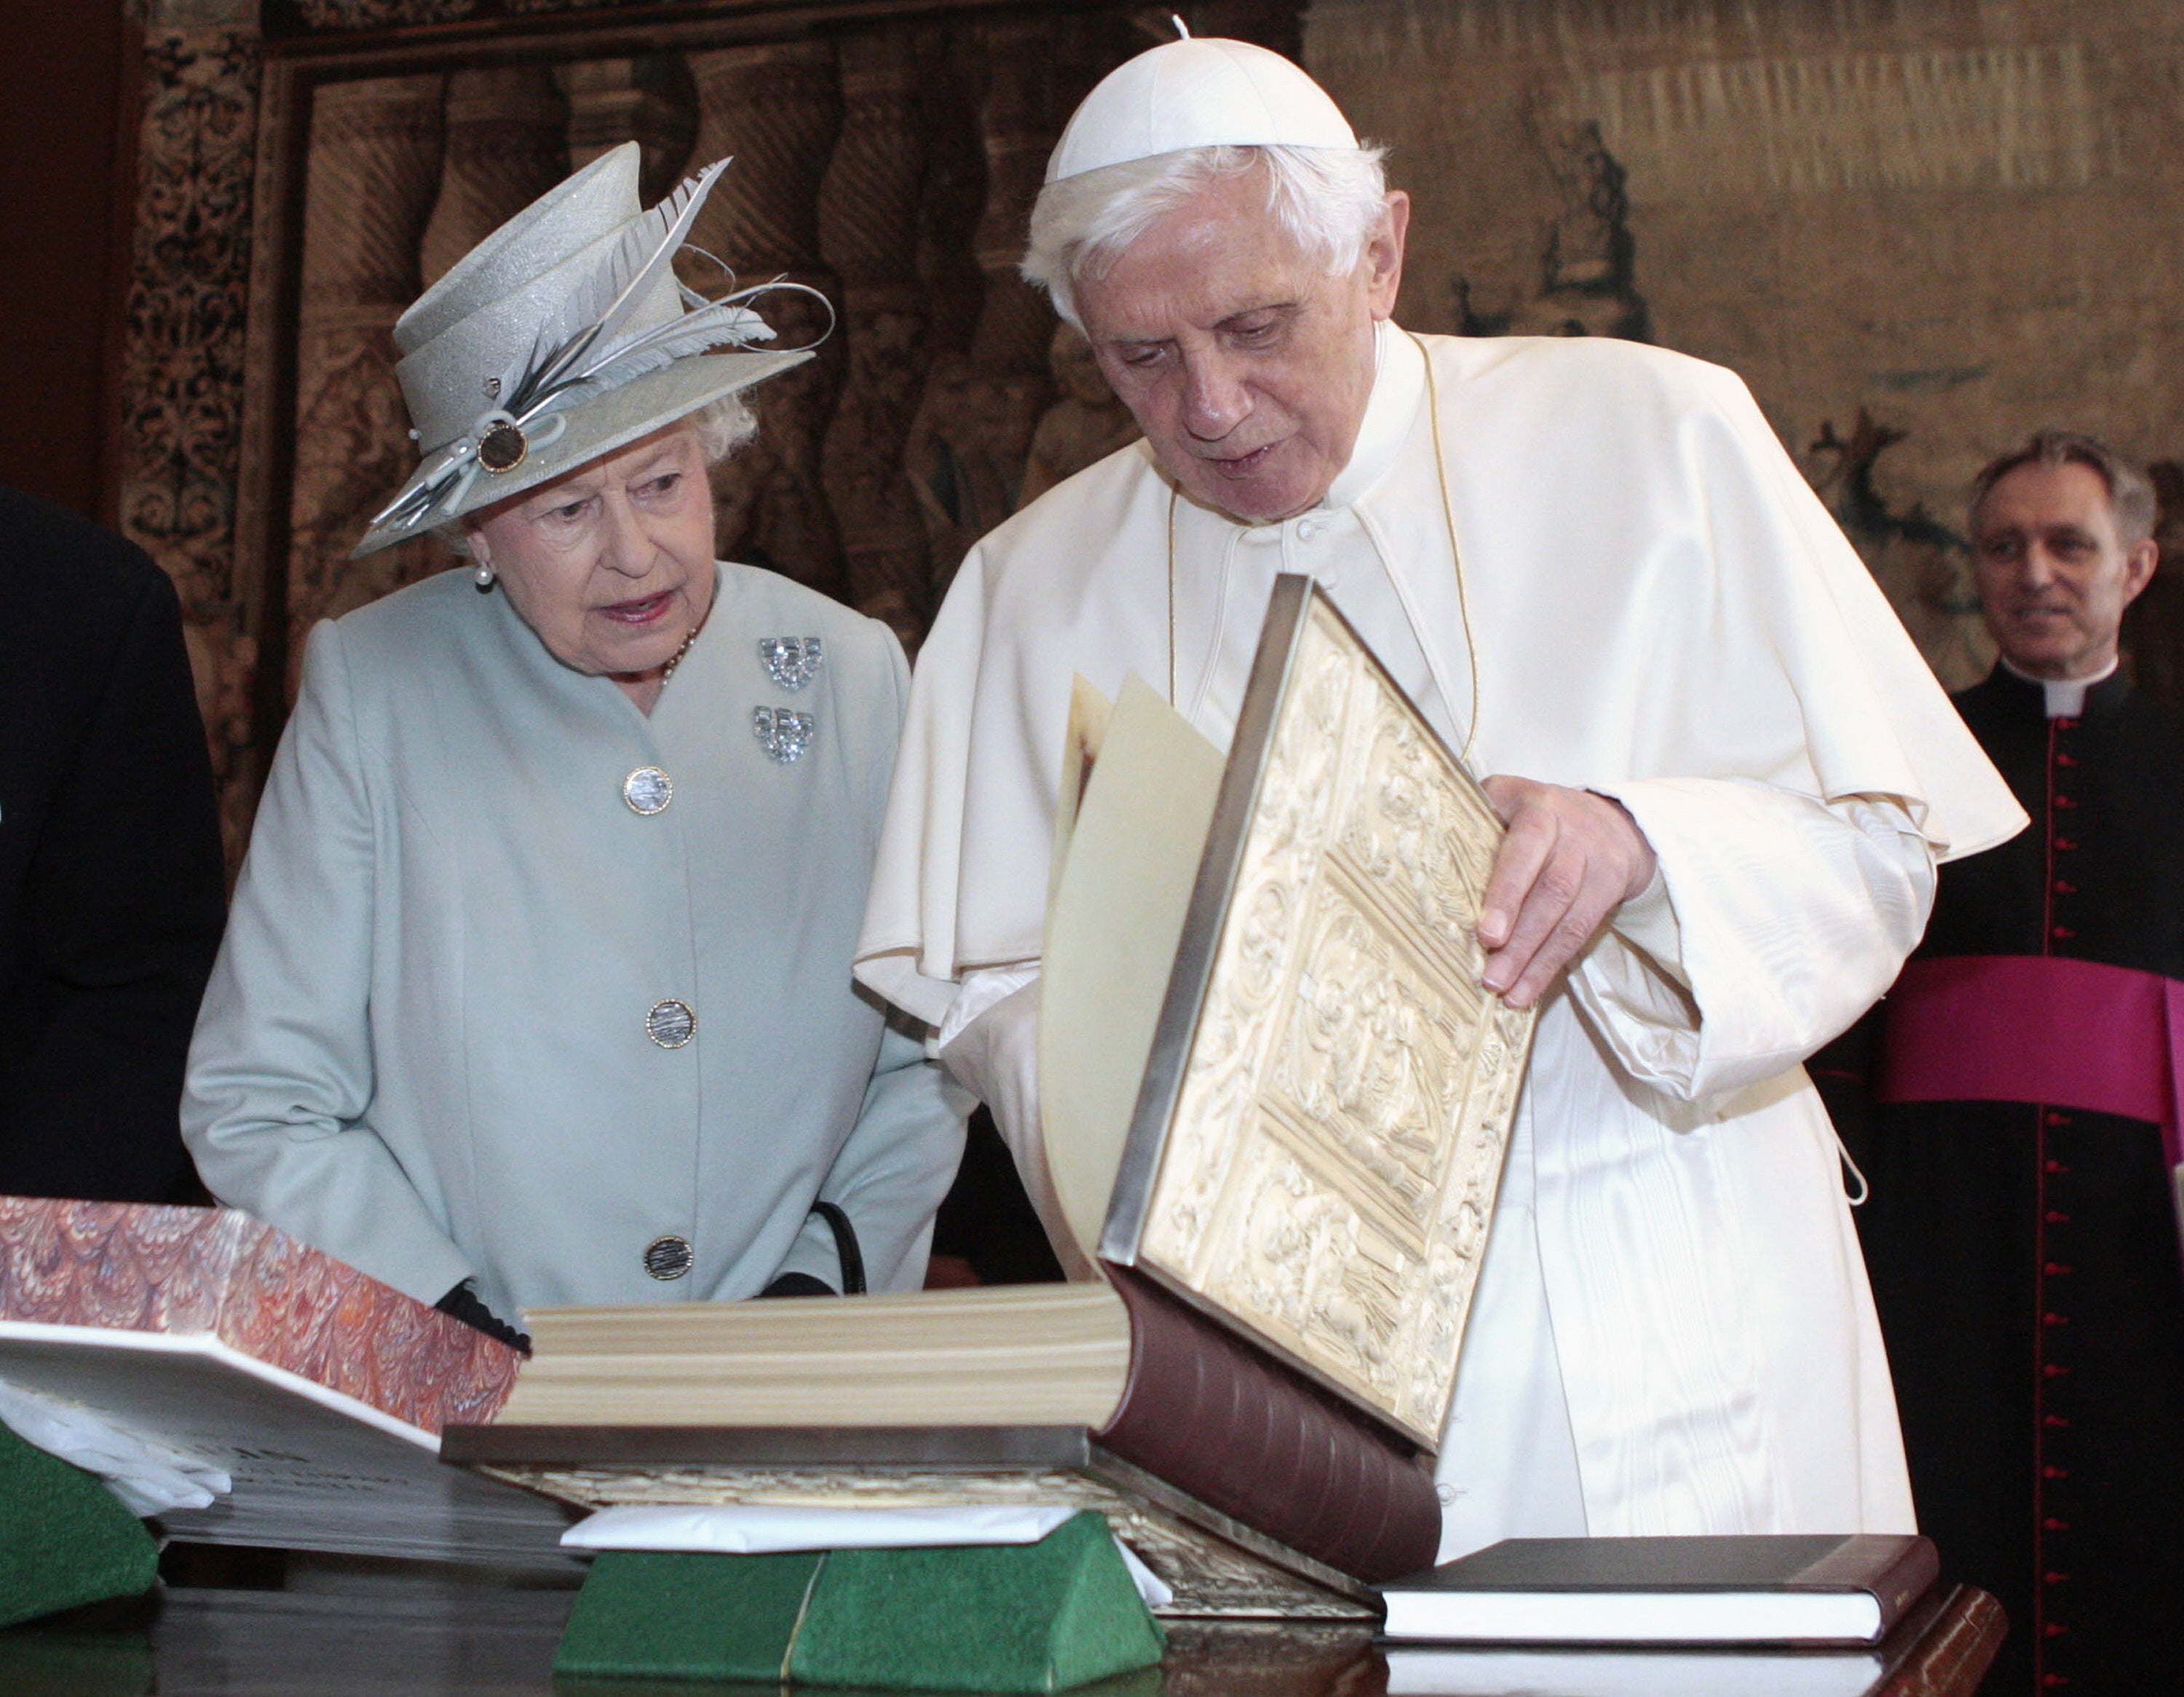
[2038,1028]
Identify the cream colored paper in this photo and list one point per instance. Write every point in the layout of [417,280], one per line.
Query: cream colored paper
[1090,712]
[1128,860]
[1037,1354]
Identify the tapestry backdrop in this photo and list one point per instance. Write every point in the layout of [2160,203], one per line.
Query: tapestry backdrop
[1917,228]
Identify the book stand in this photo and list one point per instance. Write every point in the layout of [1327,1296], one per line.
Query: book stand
[986,1618]
[65,1539]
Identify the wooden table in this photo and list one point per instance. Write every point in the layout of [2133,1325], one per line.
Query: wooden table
[391,1634]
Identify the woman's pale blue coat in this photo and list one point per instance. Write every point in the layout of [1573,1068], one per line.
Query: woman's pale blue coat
[424,1048]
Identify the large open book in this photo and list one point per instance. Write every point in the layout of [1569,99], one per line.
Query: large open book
[1275,1099]
[227,1344]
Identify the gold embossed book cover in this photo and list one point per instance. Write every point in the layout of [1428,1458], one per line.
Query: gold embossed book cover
[1314,1149]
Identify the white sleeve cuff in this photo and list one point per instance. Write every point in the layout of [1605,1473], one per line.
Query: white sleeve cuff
[982,987]
[1648,921]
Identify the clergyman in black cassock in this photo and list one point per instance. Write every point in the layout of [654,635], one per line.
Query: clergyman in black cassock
[2025,1257]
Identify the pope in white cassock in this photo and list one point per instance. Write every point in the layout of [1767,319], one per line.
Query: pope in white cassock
[1728,778]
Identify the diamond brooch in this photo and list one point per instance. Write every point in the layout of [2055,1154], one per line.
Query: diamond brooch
[792,662]
[783,732]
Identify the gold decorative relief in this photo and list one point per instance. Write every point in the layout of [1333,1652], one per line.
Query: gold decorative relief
[1329,1171]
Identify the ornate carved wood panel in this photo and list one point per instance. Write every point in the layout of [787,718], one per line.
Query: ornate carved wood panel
[182,371]
[375,164]
[776,109]
[650,101]
[507,143]
[307,166]
[868,206]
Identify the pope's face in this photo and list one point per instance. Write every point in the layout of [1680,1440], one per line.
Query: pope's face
[2053,575]
[612,565]
[1246,365]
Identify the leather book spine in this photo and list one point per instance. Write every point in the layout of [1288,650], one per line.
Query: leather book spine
[1903,1585]
[1213,1415]
[1912,1567]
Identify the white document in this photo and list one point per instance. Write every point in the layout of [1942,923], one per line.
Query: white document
[150,1477]
[760,1529]
[298,1466]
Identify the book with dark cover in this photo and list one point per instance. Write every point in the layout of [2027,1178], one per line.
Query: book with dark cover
[1942,1647]
[1818,1589]
[1221,1421]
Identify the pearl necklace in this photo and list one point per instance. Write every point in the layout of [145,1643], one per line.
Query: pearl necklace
[675,659]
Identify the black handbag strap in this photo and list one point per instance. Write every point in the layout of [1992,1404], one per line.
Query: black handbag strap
[845,1246]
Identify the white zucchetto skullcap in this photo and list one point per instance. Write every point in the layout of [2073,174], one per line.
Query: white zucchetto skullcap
[1204,93]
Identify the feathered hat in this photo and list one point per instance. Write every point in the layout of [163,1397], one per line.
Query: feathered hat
[563,336]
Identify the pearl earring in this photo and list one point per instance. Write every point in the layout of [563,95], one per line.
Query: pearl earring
[484,576]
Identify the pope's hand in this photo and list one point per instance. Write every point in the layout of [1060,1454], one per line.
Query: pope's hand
[1570,859]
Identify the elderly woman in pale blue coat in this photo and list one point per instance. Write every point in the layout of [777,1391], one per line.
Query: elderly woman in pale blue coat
[536,988]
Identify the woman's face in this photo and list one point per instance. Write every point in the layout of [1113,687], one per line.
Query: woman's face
[612,565]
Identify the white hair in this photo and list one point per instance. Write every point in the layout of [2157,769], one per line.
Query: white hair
[723,425]
[1329,200]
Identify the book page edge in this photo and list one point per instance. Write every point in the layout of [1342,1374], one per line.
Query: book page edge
[209,1346]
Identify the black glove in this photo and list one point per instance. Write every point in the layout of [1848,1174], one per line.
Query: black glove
[462,1304]
[798,1284]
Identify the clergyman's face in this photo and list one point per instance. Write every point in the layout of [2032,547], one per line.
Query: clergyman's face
[2053,575]
[612,565]
[1247,367]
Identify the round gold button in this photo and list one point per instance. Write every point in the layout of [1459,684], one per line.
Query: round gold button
[669,1257]
[671,1024]
[647,790]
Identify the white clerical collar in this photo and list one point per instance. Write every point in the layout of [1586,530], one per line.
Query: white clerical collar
[1399,385]
[2066,696]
